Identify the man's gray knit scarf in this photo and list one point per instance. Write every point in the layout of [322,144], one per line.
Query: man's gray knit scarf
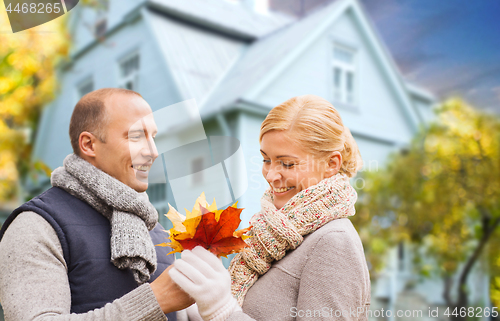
[130,213]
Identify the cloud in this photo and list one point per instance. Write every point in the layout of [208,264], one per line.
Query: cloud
[428,27]
[476,83]
[475,78]
[408,27]
[496,90]
[382,10]
[413,61]
[435,44]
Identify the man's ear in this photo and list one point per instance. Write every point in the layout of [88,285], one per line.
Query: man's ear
[334,164]
[86,142]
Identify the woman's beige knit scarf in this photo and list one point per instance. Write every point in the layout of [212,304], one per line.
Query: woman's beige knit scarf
[276,231]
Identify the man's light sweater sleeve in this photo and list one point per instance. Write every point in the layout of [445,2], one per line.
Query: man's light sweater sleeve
[34,281]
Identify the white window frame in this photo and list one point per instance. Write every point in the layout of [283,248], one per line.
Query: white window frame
[133,77]
[341,94]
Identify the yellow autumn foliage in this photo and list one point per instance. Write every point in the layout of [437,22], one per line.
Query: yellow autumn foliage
[441,193]
[28,61]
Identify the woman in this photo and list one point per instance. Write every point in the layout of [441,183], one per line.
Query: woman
[305,258]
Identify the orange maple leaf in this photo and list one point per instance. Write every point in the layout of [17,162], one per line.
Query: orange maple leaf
[206,226]
[218,236]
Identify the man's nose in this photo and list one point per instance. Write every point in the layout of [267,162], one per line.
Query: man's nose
[150,149]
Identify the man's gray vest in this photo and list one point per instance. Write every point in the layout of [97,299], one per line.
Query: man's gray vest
[84,234]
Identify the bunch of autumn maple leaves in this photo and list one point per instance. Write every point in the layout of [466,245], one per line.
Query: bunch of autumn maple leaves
[213,229]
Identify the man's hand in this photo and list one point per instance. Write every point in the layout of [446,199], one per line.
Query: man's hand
[168,294]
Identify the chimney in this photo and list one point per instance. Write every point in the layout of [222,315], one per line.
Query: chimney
[259,6]
[298,8]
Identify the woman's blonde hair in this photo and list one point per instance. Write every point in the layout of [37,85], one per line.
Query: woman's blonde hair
[316,125]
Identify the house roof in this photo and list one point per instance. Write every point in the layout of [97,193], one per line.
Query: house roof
[230,18]
[195,57]
[202,39]
[259,49]
[266,59]
[260,58]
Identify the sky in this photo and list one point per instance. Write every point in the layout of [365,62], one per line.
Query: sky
[450,47]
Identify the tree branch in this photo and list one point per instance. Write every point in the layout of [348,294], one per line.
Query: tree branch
[488,230]
[447,290]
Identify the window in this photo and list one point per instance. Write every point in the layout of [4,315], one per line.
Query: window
[100,25]
[344,75]
[100,28]
[129,72]
[157,192]
[158,197]
[85,87]
[197,170]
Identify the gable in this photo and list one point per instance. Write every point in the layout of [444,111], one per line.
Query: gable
[305,67]
[257,60]
[378,111]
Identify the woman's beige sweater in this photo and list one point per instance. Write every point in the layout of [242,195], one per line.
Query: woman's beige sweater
[325,278]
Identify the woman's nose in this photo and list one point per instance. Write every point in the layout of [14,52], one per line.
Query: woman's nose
[273,175]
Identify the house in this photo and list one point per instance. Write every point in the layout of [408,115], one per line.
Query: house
[233,65]
[237,64]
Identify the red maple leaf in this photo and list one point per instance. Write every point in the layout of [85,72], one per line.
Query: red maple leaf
[219,237]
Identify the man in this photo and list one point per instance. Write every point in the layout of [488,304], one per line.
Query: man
[84,249]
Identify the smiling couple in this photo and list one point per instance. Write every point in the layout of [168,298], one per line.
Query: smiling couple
[84,249]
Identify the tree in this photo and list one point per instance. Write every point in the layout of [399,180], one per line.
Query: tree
[28,61]
[443,194]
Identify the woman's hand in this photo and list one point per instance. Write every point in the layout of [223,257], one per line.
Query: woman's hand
[193,313]
[202,275]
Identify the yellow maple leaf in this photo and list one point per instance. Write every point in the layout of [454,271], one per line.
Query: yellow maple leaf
[177,219]
[184,227]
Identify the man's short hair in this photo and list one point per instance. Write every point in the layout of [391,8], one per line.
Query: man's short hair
[90,115]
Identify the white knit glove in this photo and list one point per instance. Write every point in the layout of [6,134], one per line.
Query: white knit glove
[193,313]
[202,275]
